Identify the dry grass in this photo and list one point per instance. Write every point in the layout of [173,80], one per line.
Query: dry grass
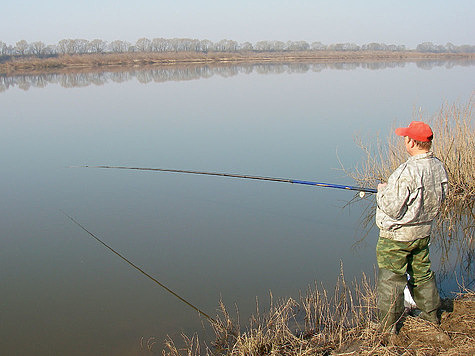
[315,324]
[343,324]
[454,145]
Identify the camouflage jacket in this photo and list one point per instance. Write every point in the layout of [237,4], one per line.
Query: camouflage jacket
[407,206]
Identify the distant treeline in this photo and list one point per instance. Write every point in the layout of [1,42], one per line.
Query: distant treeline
[145,45]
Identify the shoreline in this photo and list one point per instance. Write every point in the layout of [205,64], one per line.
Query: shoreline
[344,324]
[115,61]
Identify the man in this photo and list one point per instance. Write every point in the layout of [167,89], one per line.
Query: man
[406,208]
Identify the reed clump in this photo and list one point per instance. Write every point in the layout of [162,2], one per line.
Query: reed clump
[454,145]
[341,324]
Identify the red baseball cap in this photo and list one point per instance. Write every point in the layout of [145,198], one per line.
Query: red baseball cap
[417,130]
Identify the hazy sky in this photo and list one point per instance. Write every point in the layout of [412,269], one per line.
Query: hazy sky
[408,22]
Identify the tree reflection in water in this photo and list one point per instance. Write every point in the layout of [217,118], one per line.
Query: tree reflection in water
[86,77]
[454,241]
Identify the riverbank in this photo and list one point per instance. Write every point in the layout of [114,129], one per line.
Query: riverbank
[21,65]
[343,327]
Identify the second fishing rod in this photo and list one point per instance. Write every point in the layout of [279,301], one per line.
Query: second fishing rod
[231,175]
[95,237]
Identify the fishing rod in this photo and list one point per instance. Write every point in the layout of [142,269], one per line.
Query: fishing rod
[362,190]
[141,270]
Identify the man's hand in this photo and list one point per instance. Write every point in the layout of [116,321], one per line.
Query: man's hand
[382,186]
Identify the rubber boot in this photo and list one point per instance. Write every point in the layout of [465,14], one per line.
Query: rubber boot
[390,299]
[427,300]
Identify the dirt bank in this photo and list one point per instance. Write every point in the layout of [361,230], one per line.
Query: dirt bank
[454,336]
[274,333]
[14,66]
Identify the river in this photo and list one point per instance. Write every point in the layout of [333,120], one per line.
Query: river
[206,238]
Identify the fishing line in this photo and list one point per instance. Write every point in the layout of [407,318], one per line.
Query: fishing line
[140,270]
[362,190]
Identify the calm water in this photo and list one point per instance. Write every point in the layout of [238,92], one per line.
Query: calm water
[204,237]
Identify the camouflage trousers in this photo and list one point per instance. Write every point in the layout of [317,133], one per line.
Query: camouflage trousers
[400,257]
[395,259]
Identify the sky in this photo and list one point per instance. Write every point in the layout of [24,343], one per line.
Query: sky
[403,22]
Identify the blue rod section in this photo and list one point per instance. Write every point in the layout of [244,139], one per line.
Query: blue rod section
[338,186]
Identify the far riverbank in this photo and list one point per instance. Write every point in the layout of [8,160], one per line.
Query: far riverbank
[17,66]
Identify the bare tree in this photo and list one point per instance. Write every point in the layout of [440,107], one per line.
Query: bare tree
[206,46]
[297,46]
[430,47]
[226,46]
[425,47]
[3,48]
[143,45]
[466,49]
[232,46]
[70,46]
[119,46]
[160,45]
[21,47]
[373,46]
[97,46]
[278,46]
[451,47]
[220,46]
[73,46]
[157,44]
[184,44]
[81,46]
[51,49]
[318,46]
[10,50]
[173,44]
[263,46]
[351,47]
[66,46]
[344,47]
[246,46]
[38,48]
[62,47]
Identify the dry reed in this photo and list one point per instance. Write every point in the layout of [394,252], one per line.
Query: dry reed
[454,145]
[342,324]
[316,324]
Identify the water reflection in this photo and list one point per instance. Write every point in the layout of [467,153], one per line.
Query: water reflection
[183,73]
[452,240]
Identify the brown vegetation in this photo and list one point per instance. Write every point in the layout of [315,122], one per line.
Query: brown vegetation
[343,324]
[25,65]
[454,145]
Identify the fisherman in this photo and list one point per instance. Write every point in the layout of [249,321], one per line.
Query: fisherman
[406,208]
